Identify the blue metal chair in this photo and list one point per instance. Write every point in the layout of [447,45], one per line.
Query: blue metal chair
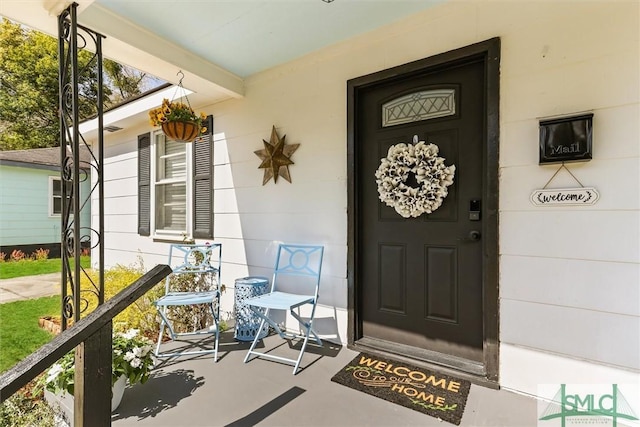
[296,281]
[199,270]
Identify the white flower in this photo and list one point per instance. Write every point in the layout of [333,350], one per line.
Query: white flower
[145,350]
[132,354]
[53,372]
[130,334]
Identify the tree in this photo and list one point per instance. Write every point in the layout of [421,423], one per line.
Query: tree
[29,87]
[127,82]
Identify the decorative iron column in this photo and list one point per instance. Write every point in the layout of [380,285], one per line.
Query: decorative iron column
[80,94]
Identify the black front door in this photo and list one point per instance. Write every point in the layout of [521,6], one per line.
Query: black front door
[420,280]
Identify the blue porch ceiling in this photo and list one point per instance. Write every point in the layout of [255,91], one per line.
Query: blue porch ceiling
[216,43]
[248,36]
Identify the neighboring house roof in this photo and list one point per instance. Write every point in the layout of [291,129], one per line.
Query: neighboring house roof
[41,158]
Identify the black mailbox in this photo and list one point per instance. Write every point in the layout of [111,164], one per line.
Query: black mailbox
[567,139]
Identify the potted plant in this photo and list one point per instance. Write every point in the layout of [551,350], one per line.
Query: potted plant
[131,360]
[178,120]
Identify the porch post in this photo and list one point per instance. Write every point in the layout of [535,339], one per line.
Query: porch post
[92,394]
[80,162]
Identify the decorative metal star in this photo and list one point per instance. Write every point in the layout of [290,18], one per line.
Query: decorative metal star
[276,158]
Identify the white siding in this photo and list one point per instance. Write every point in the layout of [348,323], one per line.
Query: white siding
[569,277]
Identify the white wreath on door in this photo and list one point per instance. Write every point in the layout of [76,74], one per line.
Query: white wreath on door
[432,176]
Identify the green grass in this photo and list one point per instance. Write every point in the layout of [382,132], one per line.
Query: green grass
[20,334]
[22,268]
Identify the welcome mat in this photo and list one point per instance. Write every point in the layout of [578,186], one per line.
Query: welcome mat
[431,393]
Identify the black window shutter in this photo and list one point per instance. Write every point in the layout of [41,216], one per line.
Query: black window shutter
[203,183]
[144,184]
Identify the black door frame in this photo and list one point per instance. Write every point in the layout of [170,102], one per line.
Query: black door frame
[489,51]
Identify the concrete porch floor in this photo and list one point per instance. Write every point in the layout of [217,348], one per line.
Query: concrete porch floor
[195,391]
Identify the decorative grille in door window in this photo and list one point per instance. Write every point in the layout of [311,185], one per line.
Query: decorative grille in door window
[417,106]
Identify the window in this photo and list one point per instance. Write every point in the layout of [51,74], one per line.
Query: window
[417,106]
[171,201]
[55,196]
[175,186]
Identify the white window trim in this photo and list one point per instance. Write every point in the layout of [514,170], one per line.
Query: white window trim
[178,236]
[51,180]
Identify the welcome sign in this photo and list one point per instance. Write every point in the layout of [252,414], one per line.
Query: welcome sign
[583,196]
[434,394]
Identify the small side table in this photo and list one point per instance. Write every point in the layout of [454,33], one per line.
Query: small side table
[247,323]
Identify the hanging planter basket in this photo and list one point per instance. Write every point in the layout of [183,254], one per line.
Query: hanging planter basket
[181,131]
[176,118]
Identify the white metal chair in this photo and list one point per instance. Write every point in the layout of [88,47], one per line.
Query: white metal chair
[296,281]
[195,281]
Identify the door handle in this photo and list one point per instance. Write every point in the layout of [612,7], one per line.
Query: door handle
[473,236]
